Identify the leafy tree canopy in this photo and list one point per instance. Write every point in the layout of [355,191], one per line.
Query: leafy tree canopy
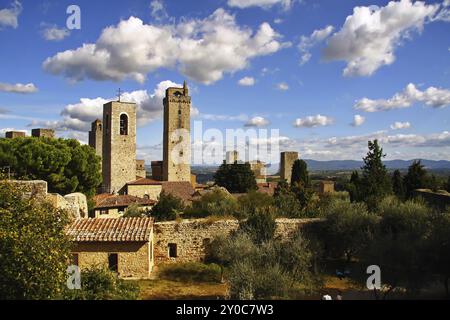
[375,182]
[167,208]
[236,177]
[34,249]
[66,165]
[300,173]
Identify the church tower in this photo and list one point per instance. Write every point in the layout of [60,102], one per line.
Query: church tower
[176,138]
[119,145]
[96,137]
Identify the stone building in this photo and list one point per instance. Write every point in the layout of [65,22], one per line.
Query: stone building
[96,137]
[151,189]
[119,146]
[140,169]
[326,187]
[157,170]
[287,160]
[14,134]
[123,245]
[145,188]
[176,135]
[43,133]
[132,246]
[231,157]
[259,170]
[109,206]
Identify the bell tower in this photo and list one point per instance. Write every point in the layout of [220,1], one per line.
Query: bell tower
[176,138]
[119,146]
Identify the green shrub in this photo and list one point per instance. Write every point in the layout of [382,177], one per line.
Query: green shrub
[167,208]
[191,272]
[34,248]
[102,284]
[217,203]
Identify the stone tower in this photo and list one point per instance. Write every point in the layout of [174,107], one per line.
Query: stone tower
[232,157]
[119,145]
[96,137]
[286,162]
[176,138]
[43,133]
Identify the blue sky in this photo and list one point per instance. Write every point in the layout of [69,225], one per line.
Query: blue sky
[309,67]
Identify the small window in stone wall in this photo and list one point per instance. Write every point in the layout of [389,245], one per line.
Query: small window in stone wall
[75,259]
[173,250]
[113,262]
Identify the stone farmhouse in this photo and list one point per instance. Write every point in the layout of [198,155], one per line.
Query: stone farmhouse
[133,246]
[123,245]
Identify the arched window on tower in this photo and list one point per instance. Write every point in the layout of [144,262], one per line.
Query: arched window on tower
[123,125]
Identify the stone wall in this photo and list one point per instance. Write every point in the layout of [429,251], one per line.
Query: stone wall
[32,188]
[191,236]
[134,258]
[153,191]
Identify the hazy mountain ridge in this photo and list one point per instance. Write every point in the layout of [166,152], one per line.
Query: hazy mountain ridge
[315,165]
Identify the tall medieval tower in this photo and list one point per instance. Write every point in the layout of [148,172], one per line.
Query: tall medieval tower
[119,146]
[287,160]
[96,137]
[176,140]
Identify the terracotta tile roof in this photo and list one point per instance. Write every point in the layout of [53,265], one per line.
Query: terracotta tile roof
[144,182]
[267,187]
[180,189]
[117,201]
[110,230]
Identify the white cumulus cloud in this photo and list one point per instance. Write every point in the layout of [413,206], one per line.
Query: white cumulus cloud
[358,120]
[257,122]
[400,125]
[313,121]
[78,116]
[53,33]
[242,4]
[307,42]
[283,86]
[202,49]
[9,16]
[432,97]
[18,88]
[247,81]
[369,37]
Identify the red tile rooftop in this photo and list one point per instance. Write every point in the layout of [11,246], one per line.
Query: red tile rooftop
[110,230]
[116,201]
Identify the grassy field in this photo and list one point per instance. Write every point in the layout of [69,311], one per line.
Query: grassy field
[184,281]
[200,281]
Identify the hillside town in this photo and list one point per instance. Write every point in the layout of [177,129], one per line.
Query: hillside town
[261,151]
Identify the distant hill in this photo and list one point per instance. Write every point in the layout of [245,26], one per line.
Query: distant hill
[336,165]
[332,165]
